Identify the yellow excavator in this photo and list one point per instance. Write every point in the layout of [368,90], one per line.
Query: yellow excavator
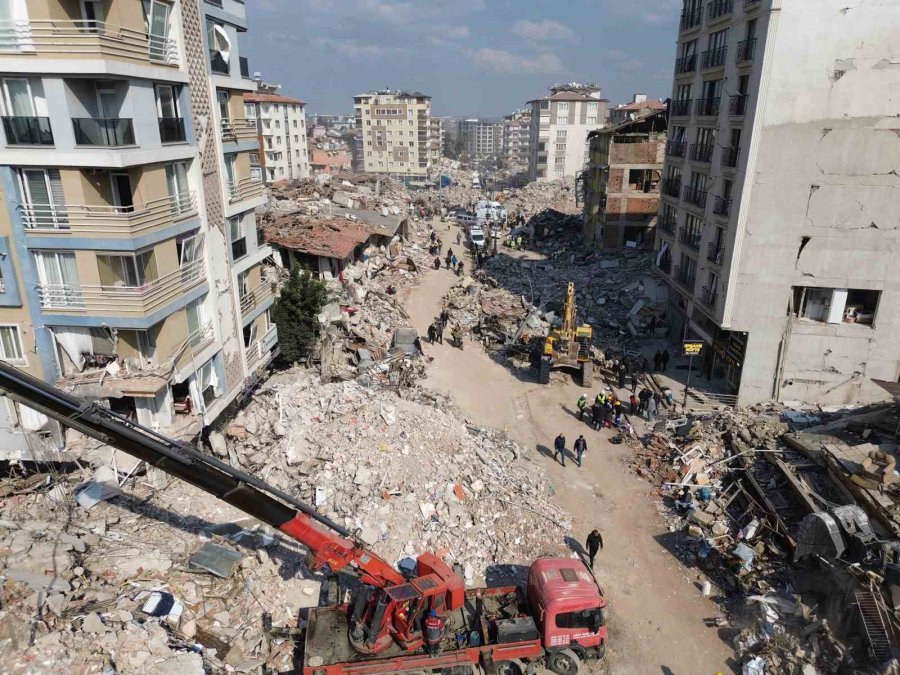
[568,346]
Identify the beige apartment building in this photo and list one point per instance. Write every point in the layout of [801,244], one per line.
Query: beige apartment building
[779,222]
[517,138]
[281,128]
[560,124]
[131,272]
[397,135]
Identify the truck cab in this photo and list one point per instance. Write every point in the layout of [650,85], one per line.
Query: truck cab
[568,606]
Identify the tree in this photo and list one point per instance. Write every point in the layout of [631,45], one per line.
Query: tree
[296,313]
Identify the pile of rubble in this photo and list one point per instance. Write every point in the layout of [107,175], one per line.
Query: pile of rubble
[537,196]
[405,473]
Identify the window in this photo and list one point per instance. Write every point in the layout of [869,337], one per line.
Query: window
[683,93]
[560,147]
[693,227]
[243,284]
[219,47]
[688,49]
[592,107]
[562,120]
[198,330]
[835,305]
[558,173]
[718,39]
[128,271]
[562,106]
[11,346]
[590,120]
[706,136]
[190,252]
[545,105]
[177,183]
[712,88]
[698,181]
[156,22]
[592,619]
[58,277]
[166,101]
[559,160]
[295,124]
[43,202]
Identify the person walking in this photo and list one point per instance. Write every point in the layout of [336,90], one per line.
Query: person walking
[665,359]
[582,404]
[621,375]
[445,317]
[439,331]
[634,382]
[559,448]
[643,398]
[580,447]
[594,544]
[449,257]
[431,334]
[657,361]
[652,408]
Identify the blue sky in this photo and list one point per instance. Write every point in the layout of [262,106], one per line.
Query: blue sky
[474,57]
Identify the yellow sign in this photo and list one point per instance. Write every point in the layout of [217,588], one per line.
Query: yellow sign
[690,348]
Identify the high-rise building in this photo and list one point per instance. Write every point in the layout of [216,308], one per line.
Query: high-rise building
[482,139]
[778,227]
[517,138]
[560,124]
[397,134]
[281,129]
[130,263]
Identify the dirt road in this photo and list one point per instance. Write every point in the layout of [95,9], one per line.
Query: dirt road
[657,611]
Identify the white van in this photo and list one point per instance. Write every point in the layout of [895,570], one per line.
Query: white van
[466,219]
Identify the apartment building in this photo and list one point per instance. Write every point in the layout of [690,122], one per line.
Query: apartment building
[517,138]
[621,182]
[560,124]
[639,105]
[397,134]
[281,130]
[779,219]
[127,232]
[482,139]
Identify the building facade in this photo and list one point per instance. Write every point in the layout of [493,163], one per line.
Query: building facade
[517,138]
[779,219]
[124,187]
[639,105]
[396,132]
[560,124]
[281,130]
[482,139]
[621,182]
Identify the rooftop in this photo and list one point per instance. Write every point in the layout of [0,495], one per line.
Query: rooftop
[334,237]
[568,96]
[256,97]
[650,104]
[650,116]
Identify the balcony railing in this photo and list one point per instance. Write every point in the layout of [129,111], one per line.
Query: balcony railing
[109,220]
[719,8]
[686,64]
[123,300]
[93,38]
[745,50]
[714,253]
[709,297]
[730,156]
[691,18]
[737,105]
[690,238]
[202,337]
[171,130]
[103,131]
[263,346]
[681,108]
[255,297]
[671,187]
[708,107]
[239,130]
[667,223]
[702,152]
[675,149]
[695,196]
[245,188]
[27,131]
[722,206]
[685,278]
[713,58]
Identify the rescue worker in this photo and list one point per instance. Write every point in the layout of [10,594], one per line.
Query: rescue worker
[434,633]
[582,403]
[594,544]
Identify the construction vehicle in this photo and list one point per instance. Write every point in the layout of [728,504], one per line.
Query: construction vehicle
[569,346]
[558,621]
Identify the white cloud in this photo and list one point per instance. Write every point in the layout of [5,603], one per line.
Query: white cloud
[652,12]
[351,49]
[544,31]
[501,61]
[626,64]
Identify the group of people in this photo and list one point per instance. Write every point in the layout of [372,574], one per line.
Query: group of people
[434,248]
[452,262]
[559,449]
[436,330]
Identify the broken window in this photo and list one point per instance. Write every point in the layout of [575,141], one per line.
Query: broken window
[835,305]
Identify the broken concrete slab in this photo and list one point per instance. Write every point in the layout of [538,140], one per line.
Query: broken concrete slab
[215,559]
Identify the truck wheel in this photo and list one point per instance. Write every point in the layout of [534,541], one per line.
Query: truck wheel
[513,667]
[564,662]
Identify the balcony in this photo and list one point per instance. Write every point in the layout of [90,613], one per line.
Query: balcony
[713,58]
[690,238]
[240,130]
[106,220]
[123,301]
[707,107]
[675,148]
[714,253]
[730,156]
[745,50]
[691,19]
[27,131]
[722,206]
[695,196]
[171,130]
[239,248]
[709,297]
[737,105]
[668,223]
[671,187]
[88,38]
[684,278]
[263,346]
[103,131]
[255,297]
[245,188]
[686,64]
[717,9]
[750,5]
[702,152]
[202,337]
[681,108]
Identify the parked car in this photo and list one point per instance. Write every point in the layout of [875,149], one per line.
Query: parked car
[476,237]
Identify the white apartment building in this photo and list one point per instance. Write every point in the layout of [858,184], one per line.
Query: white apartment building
[560,124]
[397,134]
[483,139]
[281,127]
[779,225]
[517,138]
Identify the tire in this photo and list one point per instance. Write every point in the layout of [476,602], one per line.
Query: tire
[513,667]
[564,662]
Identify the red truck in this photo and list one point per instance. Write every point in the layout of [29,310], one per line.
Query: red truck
[557,621]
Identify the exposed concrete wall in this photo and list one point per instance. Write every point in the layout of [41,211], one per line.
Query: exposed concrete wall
[824,165]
